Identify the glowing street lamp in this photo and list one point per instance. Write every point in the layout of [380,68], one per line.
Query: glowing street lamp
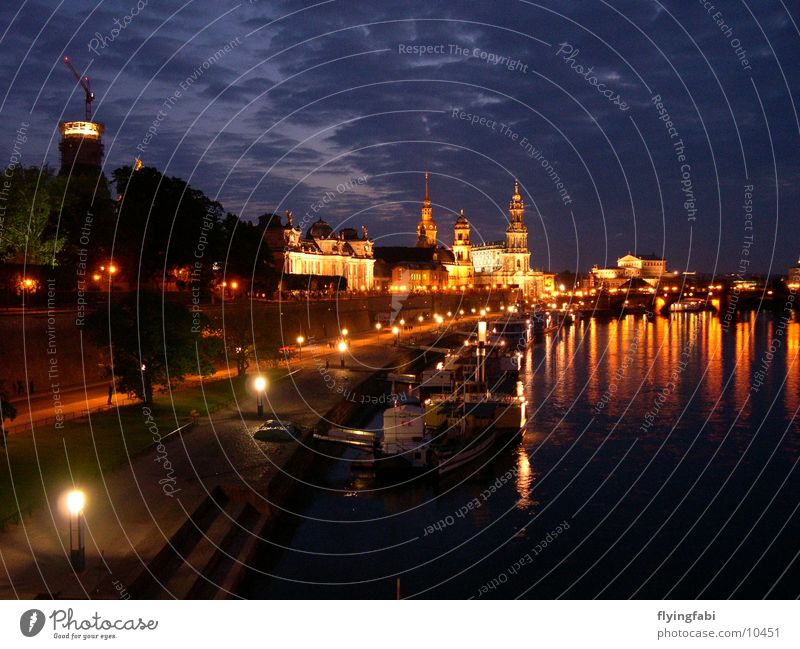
[76,500]
[345,332]
[342,349]
[300,341]
[260,384]
[378,326]
[396,332]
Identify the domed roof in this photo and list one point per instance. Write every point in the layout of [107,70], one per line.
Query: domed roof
[462,220]
[319,230]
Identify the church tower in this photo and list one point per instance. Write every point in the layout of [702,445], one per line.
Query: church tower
[517,256]
[462,248]
[426,228]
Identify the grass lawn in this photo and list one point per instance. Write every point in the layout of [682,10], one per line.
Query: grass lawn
[47,460]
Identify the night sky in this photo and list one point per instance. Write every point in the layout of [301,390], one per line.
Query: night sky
[309,95]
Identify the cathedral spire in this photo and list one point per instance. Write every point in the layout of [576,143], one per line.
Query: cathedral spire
[516,206]
[426,229]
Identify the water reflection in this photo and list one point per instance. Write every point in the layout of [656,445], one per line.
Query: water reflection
[669,487]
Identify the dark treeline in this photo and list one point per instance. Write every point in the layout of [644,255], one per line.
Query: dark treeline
[150,226]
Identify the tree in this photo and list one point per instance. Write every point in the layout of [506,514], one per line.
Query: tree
[85,213]
[29,234]
[237,334]
[162,223]
[153,341]
[7,411]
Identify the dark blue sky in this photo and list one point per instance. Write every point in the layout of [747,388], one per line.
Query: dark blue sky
[309,95]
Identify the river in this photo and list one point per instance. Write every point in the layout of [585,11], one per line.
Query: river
[659,460]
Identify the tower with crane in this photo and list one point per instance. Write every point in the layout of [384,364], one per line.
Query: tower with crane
[81,143]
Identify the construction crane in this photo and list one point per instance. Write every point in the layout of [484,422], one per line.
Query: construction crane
[87,88]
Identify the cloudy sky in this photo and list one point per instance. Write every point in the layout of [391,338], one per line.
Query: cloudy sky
[271,106]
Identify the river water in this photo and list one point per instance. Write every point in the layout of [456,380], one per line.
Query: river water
[659,460]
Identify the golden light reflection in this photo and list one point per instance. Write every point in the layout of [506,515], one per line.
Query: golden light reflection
[524,481]
[792,341]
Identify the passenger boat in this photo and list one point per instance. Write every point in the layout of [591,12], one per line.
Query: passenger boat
[689,304]
[469,401]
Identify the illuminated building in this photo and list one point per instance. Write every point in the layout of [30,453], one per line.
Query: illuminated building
[426,228]
[649,268]
[794,275]
[426,266]
[506,263]
[419,276]
[81,147]
[460,270]
[322,252]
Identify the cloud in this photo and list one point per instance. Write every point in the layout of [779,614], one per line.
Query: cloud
[315,94]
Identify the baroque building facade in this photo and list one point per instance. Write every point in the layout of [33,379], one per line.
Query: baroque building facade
[426,266]
[507,264]
[649,268]
[322,252]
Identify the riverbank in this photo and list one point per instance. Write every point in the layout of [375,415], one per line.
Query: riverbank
[280,526]
[158,524]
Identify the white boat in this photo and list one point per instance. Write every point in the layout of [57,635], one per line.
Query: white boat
[689,305]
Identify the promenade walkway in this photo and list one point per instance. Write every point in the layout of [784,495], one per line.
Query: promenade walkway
[131,512]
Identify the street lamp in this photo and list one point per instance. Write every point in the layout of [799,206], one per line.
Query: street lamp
[300,341]
[76,500]
[378,326]
[260,384]
[345,332]
[396,332]
[342,350]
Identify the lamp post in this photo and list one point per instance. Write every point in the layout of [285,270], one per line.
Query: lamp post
[260,384]
[481,352]
[76,500]
[300,341]
[396,332]
[342,350]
